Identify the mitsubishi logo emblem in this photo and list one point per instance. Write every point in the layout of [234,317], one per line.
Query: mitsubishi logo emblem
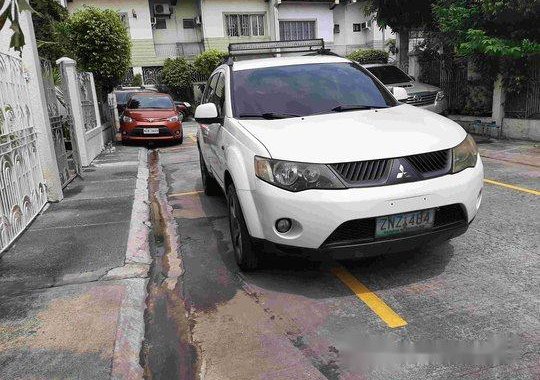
[402,173]
[150,120]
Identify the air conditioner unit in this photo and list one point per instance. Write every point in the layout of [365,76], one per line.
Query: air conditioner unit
[162,9]
[198,20]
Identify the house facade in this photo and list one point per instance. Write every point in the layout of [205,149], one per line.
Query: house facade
[160,29]
[353,29]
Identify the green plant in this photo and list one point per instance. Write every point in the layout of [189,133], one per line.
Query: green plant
[49,15]
[206,62]
[9,11]
[99,42]
[364,56]
[177,75]
[137,80]
[391,45]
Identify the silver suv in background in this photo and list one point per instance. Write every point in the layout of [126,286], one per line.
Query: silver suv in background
[422,95]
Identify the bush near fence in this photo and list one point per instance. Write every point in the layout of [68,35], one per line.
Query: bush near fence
[365,56]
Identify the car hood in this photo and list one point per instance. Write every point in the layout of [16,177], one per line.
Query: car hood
[357,135]
[414,87]
[144,114]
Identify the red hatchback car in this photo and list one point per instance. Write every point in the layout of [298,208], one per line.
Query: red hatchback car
[150,117]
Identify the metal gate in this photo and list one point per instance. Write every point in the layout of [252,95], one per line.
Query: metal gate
[22,188]
[454,82]
[61,124]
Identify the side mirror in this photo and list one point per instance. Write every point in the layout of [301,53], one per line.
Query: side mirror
[207,114]
[179,108]
[400,93]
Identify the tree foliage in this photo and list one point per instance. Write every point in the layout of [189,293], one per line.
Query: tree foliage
[207,62]
[365,56]
[100,43]
[177,75]
[500,28]
[401,15]
[47,20]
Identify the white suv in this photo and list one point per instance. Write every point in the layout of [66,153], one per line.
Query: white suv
[316,156]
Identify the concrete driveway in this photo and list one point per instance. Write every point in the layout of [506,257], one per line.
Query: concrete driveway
[466,309]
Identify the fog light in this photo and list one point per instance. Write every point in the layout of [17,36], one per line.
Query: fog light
[283,225]
[177,132]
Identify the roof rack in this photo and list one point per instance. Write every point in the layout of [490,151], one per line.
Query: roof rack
[297,46]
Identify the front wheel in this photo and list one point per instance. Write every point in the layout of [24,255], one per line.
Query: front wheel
[244,252]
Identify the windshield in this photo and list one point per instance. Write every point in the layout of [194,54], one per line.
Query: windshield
[302,90]
[389,74]
[150,101]
[122,97]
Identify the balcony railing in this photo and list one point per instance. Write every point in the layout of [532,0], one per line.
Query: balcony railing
[179,49]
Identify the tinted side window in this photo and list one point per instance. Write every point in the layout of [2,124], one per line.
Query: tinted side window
[210,86]
[218,96]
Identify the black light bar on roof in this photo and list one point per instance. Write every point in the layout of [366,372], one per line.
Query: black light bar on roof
[245,48]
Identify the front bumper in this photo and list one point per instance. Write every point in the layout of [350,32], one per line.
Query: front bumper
[374,248]
[167,131]
[316,214]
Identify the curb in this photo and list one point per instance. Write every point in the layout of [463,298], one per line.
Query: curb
[131,325]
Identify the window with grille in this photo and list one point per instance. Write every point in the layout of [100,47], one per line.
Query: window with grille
[244,25]
[189,23]
[161,23]
[296,30]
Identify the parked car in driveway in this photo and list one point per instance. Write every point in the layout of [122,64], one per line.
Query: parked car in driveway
[123,94]
[316,155]
[184,108]
[422,95]
[151,116]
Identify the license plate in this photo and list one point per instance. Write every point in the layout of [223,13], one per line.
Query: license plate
[151,131]
[403,223]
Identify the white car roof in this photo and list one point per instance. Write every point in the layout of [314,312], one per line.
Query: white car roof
[286,61]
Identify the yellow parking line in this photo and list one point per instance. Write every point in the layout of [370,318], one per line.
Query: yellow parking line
[187,193]
[192,137]
[376,304]
[513,187]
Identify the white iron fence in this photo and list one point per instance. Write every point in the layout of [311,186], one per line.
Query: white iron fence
[22,188]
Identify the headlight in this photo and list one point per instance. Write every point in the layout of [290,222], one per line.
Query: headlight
[296,176]
[440,96]
[464,155]
[127,119]
[173,119]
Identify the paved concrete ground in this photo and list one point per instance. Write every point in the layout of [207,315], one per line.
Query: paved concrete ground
[296,319]
[66,295]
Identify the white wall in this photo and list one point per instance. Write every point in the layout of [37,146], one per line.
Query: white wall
[213,14]
[5,37]
[175,31]
[321,13]
[140,28]
[353,13]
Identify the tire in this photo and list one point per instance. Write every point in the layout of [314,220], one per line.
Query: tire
[210,186]
[181,139]
[244,251]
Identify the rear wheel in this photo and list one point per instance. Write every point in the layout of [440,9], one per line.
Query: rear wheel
[210,186]
[244,251]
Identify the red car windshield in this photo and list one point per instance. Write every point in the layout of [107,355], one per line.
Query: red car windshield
[150,102]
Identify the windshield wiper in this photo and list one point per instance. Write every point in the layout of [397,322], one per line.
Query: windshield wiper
[352,107]
[270,115]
